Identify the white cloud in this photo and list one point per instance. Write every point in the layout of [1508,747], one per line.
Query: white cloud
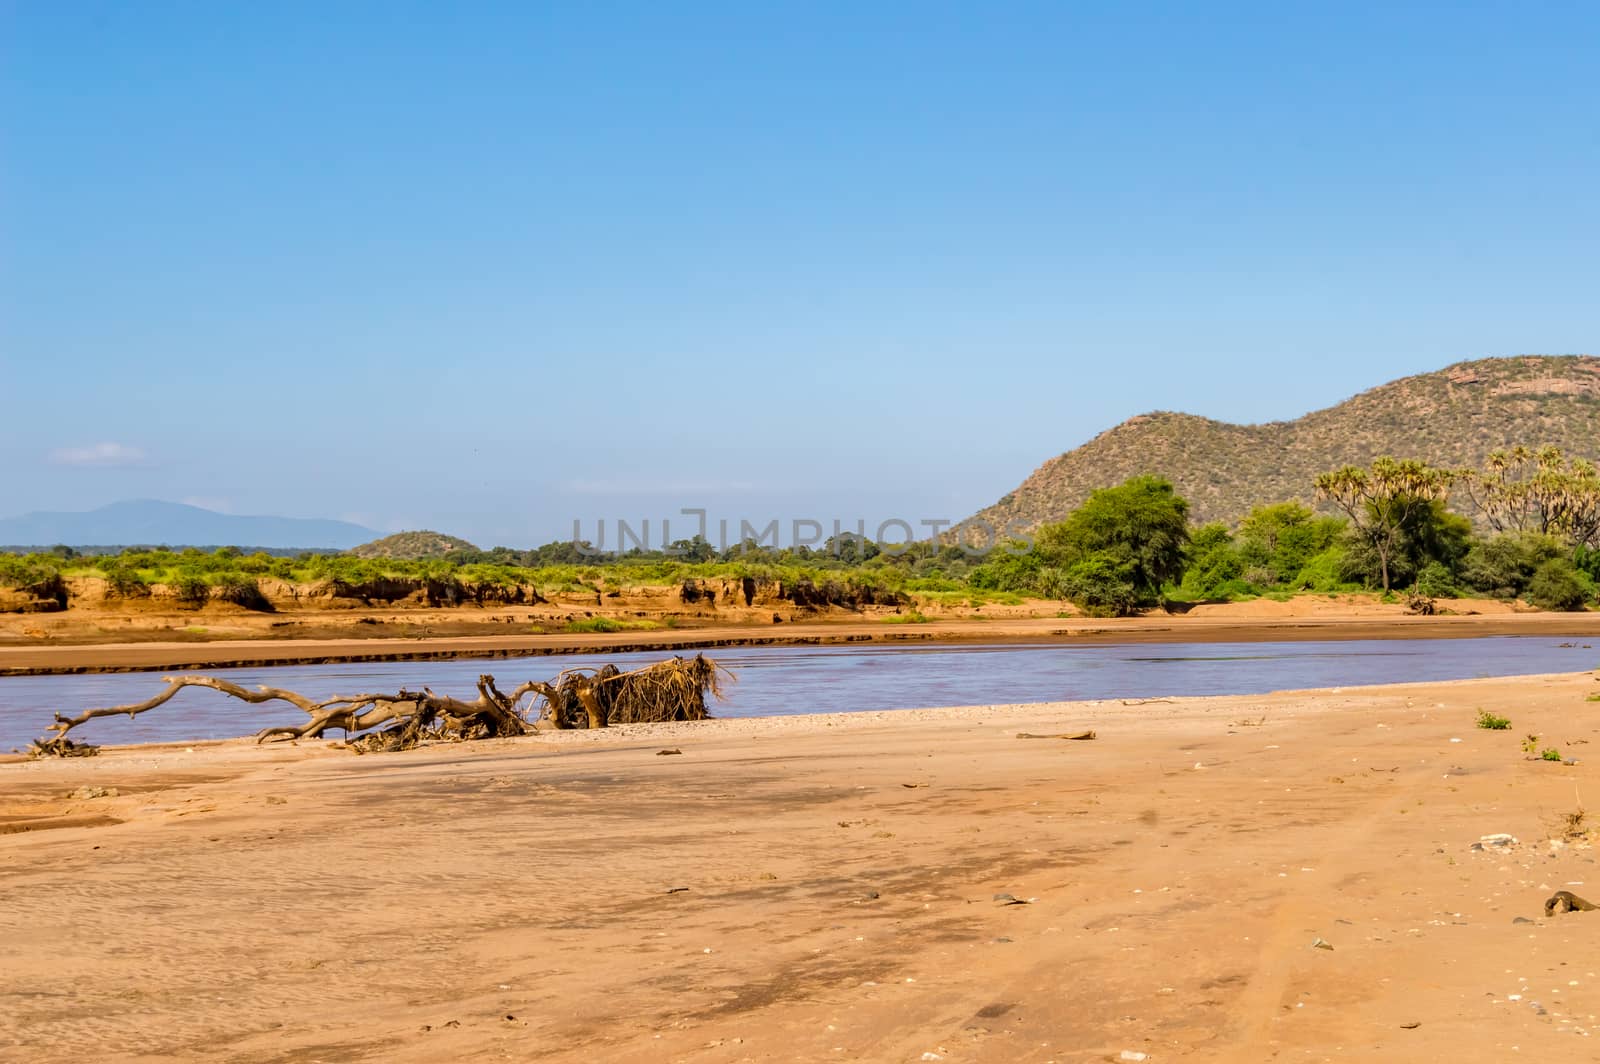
[102,455]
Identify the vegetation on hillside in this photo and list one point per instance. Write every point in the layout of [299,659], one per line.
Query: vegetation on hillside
[1128,547]
[1398,533]
[1452,419]
[412,546]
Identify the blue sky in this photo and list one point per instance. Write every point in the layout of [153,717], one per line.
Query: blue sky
[488,268]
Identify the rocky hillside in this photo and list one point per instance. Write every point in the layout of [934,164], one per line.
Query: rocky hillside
[1453,417]
[409,546]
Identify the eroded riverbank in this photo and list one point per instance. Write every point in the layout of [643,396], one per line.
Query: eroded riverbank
[1216,626]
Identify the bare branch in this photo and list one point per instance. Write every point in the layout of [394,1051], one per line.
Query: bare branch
[668,690]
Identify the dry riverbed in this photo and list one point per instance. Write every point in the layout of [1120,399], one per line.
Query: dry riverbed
[827,888]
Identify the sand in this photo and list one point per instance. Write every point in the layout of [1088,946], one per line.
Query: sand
[823,888]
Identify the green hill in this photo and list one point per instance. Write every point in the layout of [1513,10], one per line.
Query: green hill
[1452,418]
[411,546]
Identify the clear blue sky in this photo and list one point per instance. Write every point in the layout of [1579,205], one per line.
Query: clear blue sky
[490,267]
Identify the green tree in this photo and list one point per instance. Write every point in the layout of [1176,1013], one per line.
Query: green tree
[1138,530]
[1213,562]
[1381,501]
[1010,568]
[850,548]
[695,549]
[1559,585]
[1541,491]
[1100,585]
[1504,565]
[1430,536]
[1282,538]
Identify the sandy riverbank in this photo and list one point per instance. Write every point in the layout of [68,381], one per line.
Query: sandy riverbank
[510,899]
[1241,622]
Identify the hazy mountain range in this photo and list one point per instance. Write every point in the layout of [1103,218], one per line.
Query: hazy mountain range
[149,522]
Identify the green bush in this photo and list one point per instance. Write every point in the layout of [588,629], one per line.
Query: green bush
[191,588]
[1504,565]
[1280,539]
[239,589]
[1007,568]
[1101,586]
[1435,581]
[1237,590]
[1587,559]
[1213,563]
[1491,722]
[1558,585]
[1325,572]
[594,624]
[26,571]
[1051,583]
[125,582]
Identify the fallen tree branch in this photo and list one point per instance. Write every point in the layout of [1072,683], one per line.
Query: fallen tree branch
[674,689]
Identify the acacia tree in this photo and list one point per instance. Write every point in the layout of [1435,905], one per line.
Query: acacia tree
[1121,546]
[1382,501]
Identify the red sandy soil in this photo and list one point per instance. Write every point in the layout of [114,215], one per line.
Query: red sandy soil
[824,889]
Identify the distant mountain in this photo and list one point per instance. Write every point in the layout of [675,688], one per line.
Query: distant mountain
[1453,418]
[412,545]
[148,522]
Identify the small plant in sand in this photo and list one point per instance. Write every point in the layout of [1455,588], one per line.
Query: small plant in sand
[1491,722]
[1594,697]
[912,617]
[1549,753]
[594,624]
[1572,827]
[1530,743]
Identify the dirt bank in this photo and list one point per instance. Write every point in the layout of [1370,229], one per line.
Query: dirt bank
[1221,625]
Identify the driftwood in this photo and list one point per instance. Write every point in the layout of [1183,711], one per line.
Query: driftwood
[1057,735]
[674,689]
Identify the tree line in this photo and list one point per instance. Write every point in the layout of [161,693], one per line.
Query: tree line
[1537,537]
[1531,529]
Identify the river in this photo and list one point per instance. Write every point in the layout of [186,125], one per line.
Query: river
[834,679]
